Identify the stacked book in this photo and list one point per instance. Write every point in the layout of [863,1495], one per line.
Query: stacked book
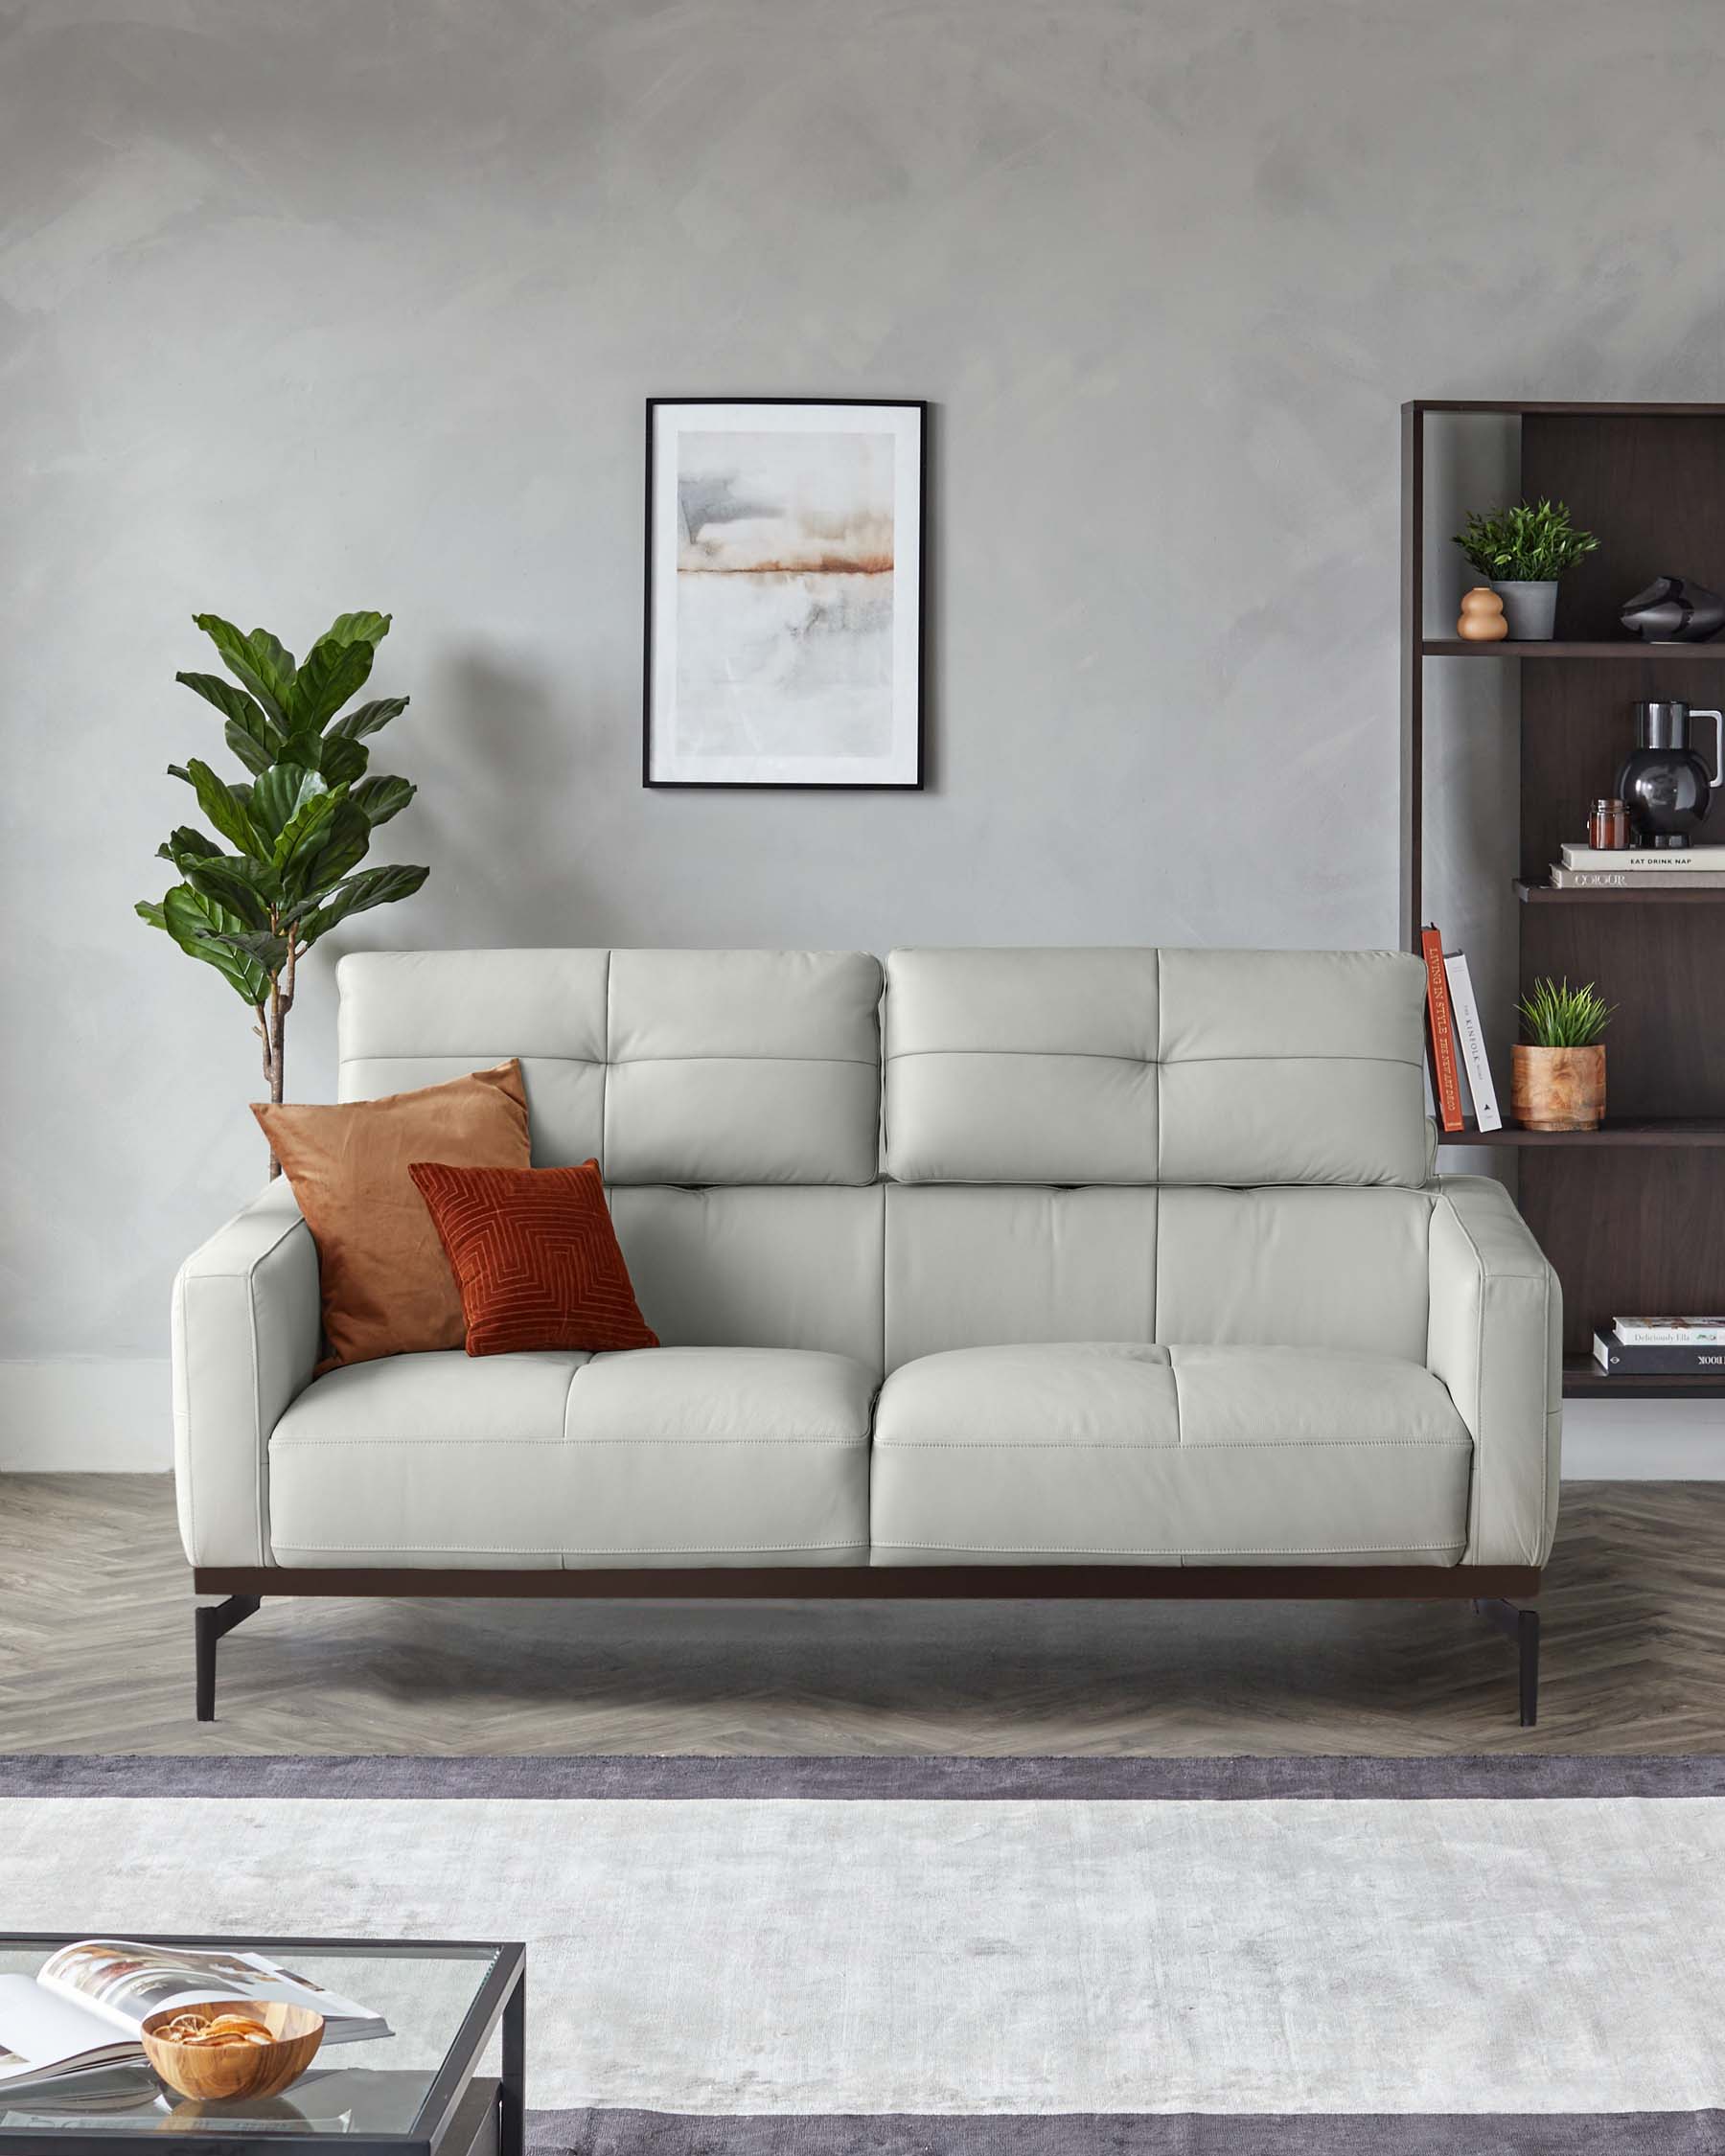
[1676,869]
[1662,1348]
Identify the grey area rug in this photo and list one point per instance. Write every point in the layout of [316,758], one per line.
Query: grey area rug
[1335,2133]
[943,1957]
[862,1777]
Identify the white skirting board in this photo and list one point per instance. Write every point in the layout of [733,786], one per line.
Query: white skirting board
[112,1416]
[101,1415]
[1644,1441]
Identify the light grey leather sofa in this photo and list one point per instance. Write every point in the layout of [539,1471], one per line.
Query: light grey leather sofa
[1096,1271]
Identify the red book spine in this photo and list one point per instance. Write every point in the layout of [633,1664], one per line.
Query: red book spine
[1446,1083]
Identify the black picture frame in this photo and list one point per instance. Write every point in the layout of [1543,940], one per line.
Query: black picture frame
[922,408]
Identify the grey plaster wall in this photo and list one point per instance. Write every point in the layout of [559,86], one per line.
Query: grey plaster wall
[316,304]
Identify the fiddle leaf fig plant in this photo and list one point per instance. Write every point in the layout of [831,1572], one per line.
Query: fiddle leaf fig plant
[296,828]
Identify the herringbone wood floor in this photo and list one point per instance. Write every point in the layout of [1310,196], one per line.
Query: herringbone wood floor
[95,1655]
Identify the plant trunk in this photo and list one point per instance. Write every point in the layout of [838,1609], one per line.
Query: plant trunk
[272,1028]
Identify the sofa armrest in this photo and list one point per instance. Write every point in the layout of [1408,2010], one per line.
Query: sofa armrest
[247,1327]
[1495,1339]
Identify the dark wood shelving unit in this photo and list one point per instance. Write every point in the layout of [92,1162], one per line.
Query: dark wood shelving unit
[1624,648]
[1676,1130]
[1632,1216]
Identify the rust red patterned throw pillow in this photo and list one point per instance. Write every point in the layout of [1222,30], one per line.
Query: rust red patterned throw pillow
[535,1256]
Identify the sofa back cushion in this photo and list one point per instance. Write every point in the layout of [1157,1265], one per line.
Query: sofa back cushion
[1175,1146]
[1318,1267]
[995,1265]
[1233,1067]
[761,1267]
[676,1067]
[1284,1267]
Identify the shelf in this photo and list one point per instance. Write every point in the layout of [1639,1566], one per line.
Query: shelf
[1660,1130]
[1584,1380]
[1624,648]
[1542,894]
[1539,407]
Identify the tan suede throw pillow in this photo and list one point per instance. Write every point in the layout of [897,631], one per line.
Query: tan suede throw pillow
[387,1287]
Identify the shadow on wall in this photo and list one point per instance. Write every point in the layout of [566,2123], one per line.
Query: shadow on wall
[506,785]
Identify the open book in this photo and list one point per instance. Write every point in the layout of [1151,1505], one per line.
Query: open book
[84,2007]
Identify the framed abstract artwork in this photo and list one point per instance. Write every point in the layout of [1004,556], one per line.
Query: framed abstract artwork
[785,544]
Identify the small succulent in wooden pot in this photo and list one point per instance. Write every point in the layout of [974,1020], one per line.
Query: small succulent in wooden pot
[1558,1076]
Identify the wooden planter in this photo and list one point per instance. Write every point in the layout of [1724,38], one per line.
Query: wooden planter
[1557,1089]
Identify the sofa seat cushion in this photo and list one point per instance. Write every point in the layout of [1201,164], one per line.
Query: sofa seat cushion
[674,1456]
[720,1456]
[425,1459]
[1167,1455]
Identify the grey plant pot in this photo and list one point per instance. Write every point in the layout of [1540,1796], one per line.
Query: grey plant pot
[1531,609]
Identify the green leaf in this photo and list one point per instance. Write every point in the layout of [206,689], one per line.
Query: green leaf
[267,950]
[149,909]
[300,841]
[374,886]
[259,660]
[345,845]
[380,798]
[362,628]
[369,717]
[278,796]
[254,754]
[331,675]
[183,844]
[225,809]
[224,882]
[231,880]
[200,926]
[237,708]
[341,762]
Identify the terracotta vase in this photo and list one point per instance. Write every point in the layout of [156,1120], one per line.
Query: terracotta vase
[1557,1089]
[1482,619]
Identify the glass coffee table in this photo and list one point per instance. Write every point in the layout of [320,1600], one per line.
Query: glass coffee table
[418,2092]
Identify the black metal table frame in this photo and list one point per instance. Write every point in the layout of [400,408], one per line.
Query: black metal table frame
[501,1996]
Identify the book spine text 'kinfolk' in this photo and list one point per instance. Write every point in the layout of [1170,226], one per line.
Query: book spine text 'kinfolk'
[1465,1011]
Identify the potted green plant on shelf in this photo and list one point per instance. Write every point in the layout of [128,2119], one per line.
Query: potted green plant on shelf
[299,826]
[1521,552]
[1558,1076]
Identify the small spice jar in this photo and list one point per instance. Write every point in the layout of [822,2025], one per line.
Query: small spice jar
[1608,826]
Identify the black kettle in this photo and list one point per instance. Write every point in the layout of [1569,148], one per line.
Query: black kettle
[1665,786]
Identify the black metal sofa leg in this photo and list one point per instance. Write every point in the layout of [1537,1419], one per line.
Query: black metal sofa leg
[1522,1627]
[211,1620]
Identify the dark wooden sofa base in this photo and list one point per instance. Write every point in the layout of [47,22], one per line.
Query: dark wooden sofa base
[1494,1589]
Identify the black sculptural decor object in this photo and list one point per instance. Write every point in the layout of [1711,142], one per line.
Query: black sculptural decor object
[1664,783]
[1672,610]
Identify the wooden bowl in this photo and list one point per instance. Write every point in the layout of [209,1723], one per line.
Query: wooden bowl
[224,2073]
